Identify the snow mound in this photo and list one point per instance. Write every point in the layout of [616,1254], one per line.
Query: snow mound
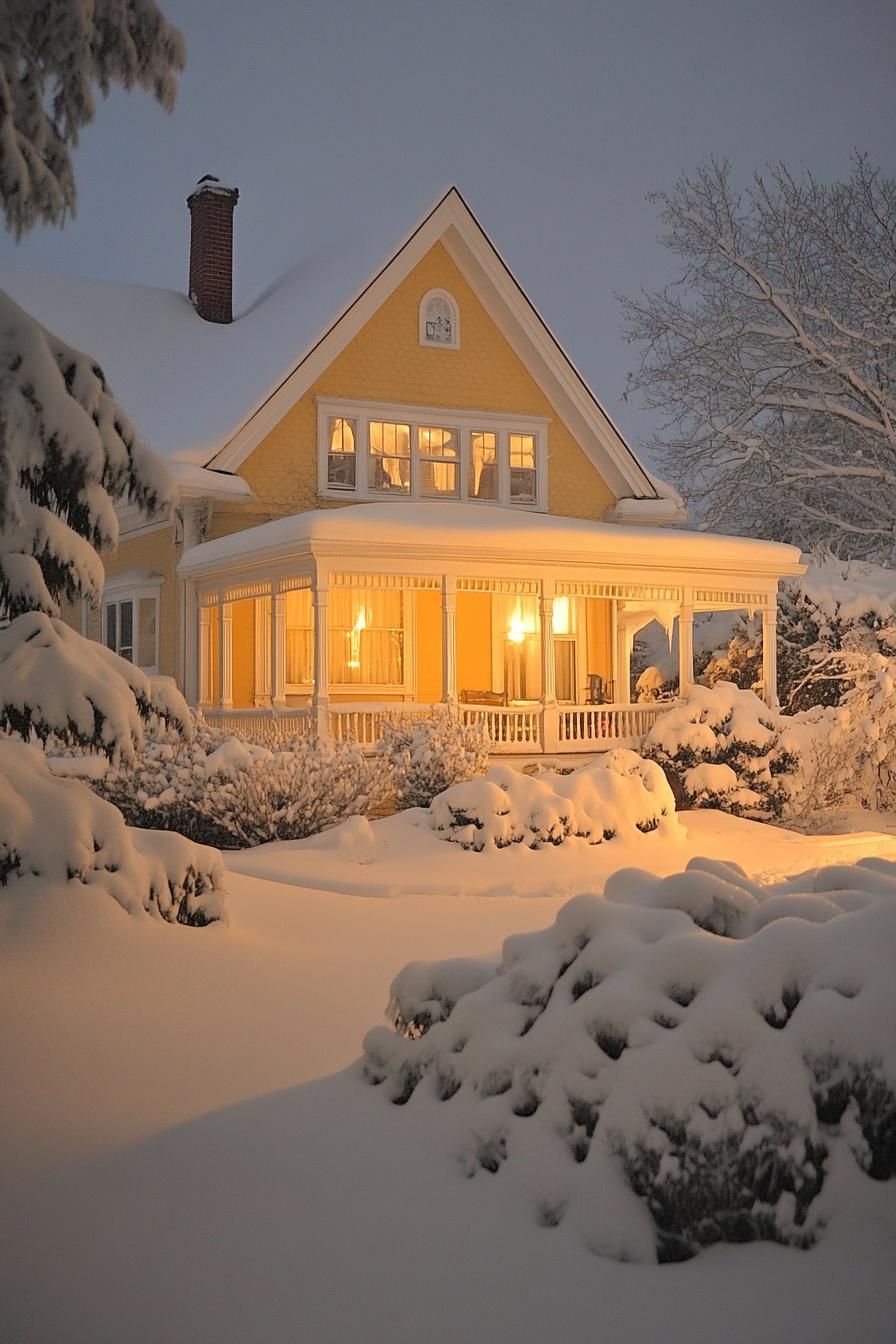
[684,1062]
[617,795]
[88,842]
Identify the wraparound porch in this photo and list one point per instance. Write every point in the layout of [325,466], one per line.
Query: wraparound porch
[325,623]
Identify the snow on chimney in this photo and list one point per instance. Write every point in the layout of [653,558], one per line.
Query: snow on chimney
[211,248]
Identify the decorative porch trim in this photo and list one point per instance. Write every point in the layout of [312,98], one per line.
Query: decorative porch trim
[508,587]
[341,579]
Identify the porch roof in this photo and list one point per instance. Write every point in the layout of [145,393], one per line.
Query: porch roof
[465,531]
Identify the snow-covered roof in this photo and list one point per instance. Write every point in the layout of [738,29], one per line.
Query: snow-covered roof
[206,393]
[444,526]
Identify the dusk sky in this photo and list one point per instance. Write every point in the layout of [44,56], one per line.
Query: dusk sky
[554,119]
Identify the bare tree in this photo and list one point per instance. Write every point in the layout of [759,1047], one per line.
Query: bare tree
[773,355]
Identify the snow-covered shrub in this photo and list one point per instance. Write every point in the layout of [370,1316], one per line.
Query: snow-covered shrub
[679,1063]
[289,793]
[723,747]
[429,752]
[58,831]
[739,661]
[653,684]
[223,790]
[619,793]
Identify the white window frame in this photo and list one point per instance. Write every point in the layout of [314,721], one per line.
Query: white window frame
[405,688]
[127,588]
[454,343]
[465,422]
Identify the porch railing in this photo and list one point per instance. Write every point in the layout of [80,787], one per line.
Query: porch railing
[268,727]
[514,729]
[593,725]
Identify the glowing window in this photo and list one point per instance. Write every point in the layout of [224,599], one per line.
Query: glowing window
[523,473]
[483,478]
[390,457]
[438,453]
[341,455]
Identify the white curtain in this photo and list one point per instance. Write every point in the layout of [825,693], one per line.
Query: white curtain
[299,638]
[519,629]
[366,637]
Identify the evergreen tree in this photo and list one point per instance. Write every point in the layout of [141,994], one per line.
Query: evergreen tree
[68,452]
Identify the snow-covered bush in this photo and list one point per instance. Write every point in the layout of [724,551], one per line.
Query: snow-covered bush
[619,794]
[678,1063]
[223,790]
[290,793]
[723,747]
[429,752]
[653,684]
[58,831]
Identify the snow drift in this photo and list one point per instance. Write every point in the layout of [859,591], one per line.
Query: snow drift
[690,1060]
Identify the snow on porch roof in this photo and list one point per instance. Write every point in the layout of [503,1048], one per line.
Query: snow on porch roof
[444,527]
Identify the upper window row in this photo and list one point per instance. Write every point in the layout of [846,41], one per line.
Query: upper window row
[365,455]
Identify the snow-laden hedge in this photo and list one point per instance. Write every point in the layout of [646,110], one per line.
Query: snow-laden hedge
[225,791]
[682,1062]
[427,753]
[619,794]
[723,747]
[58,831]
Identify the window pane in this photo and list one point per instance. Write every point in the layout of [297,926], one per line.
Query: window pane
[565,670]
[437,442]
[438,325]
[561,616]
[522,485]
[342,435]
[483,483]
[438,478]
[111,626]
[366,637]
[390,457]
[126,630]
[522,450]
[299,638]
[341,459]
[146,631]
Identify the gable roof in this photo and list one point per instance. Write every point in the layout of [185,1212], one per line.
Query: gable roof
[207,394]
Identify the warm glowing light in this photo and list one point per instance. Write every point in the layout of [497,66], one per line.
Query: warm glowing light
[560,616]
[354,638]
[520,626]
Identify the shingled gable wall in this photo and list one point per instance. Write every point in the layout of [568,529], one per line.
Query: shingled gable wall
[384,362]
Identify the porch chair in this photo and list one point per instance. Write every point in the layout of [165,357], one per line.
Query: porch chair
[600,689]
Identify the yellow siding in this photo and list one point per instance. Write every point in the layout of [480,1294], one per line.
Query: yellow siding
[428,613]
[243,663]
[385,362]
[599,641]
[474,642]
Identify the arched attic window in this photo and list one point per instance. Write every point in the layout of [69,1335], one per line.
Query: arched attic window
[439,320]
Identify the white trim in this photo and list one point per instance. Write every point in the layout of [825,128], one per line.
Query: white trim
[423,339]
[133,586]
[132,521]
[453,222]
[466,422]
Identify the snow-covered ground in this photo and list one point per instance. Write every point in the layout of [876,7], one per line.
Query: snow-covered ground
[177,1163]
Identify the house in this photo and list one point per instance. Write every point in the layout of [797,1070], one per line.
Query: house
[396,490]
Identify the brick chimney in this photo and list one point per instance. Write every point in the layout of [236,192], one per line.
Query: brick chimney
[211,248]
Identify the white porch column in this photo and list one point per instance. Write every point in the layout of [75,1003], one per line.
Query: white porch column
[278,649]
[320,699]
[625,637]
[550,717]
[449,639]
[225,655]
[204,659]
[263,686]
[685,647]
[770,652]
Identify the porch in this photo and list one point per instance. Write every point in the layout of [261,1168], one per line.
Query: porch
[325,623]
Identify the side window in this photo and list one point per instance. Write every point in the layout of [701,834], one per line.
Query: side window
[523,474]
[131,627]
